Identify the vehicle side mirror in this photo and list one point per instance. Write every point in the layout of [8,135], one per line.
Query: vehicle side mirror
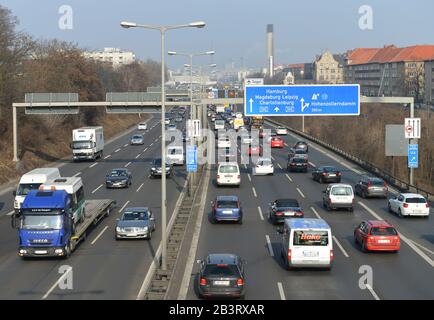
[70,145]
[14,193]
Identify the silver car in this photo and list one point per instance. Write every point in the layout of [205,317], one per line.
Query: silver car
[135,223]
[137,139]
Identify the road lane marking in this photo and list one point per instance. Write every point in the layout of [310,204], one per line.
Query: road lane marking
[316,213]
[140,187]
[99,235]
[371,290]
[279,166]
[301,193]
[151,144]
[281,292]
[56,283]
[260,213]
[126,145]
[93,165]
[95,190]
[272,158]
[270,247]
[250,178]
[289,178]
[145,149]
[341,247]
[10,213]
[127,164]
[312,164]
[106,157]
[77,174]
[123,207]
[138,155]
[254,192]
[422,247]
[117,150]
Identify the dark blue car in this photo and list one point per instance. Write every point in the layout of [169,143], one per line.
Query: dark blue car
[227,208]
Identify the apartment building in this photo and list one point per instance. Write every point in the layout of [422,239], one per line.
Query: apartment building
[115,56]
[329,68]
[429,82]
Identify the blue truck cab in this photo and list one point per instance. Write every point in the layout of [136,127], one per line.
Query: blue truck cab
[45,224]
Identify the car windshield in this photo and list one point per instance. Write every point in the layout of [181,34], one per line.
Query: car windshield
[415,200]
[118,173]
[215,270]
[24,188]
[42,221]
[310,238]
[342,191]
[135,215]
[227,204]
[228,169]
[300,151]
[81,144]
[377,182]
[157,162]
[383,231]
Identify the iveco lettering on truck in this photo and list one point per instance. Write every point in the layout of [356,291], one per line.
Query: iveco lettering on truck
[87,143]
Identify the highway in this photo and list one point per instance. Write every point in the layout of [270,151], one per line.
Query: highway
[102,268]
[408,274]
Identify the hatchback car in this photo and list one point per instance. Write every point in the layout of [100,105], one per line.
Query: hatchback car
[297,163]
[281,131]
[277,142]
[338,196]
[228,174]
[326,174]
[142,126]
[118,178]
[221,275]
[135,223]
[227,208]
[371,187]
[263,166]
[377,235]
[137,139]
[156,169]
[301,145]
[296,151]
[409,204]
[281,209]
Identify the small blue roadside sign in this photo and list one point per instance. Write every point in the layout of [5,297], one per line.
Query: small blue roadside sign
[413,156]
[191,159]
[302,100]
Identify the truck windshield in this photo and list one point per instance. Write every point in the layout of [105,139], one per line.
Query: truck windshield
[82,144]
[42,222]
[24,188]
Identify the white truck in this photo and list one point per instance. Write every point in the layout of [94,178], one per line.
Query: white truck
[31,181]
[87,143]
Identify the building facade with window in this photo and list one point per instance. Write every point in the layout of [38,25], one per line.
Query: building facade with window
[329,68]
[429,82]
[114,56]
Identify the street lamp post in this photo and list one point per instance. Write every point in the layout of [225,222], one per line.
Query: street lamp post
[163,29]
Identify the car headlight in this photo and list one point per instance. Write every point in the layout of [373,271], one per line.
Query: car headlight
[118,229]
[153,168]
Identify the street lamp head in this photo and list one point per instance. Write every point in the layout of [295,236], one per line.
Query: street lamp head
[126,24]
[210,52]
[213,65]
[187,65]
[197,24]
[171,53]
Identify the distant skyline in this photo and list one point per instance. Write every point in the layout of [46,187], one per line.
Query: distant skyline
[236,30]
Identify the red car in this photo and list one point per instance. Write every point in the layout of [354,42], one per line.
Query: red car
[277,142]
[377,235]
[257,150]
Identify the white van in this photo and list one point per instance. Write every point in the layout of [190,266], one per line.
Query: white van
[307,243]
[338,195]
[175,155]
[31,181]
[74,187]
[228,174]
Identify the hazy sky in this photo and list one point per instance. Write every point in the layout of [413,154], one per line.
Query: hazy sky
[235,29]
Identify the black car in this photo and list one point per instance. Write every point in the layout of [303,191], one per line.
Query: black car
[296,151]
[118,178]
[156,169]
[221,275]
[301,145]
[297,163]
[326,174]
[284,208]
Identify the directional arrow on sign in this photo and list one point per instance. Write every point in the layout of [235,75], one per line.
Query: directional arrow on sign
[303,105]
[276,109]
[251,103]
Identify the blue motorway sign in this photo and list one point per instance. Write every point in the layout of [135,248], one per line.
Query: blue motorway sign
[191,159]
[413,156]
[302,100]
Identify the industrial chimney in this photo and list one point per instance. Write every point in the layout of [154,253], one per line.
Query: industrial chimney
[270,50]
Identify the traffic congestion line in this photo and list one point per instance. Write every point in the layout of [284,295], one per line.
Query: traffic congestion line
[270,247]
[260,213]
[99,235]
[95,190]
[281,292]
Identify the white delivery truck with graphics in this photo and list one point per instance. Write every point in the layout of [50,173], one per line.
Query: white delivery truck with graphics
[87,143]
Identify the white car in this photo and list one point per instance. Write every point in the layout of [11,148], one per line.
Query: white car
[142,126]
[175,155]
[281,131]
[338,195]
[224,142]
[166,121]
[228,174]
[263,166]
[409,204]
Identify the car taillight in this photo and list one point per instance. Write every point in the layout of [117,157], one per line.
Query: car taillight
[332,255]
[405,205]
[369,184]
[238,176]
[325,174]
[289,254]
[338,174]
[299,214]
[218,176]
[279,213]
[203,282]
[240,282]
[426,205]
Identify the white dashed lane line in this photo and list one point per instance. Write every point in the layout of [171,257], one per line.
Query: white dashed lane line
[341,247]
[99,235]
[96,189]
[138,155]
[250,178]
[270,247]
[117,150]
[106,157]
[123,207]
[77,174]
[138,189]
[93,165]
[254,192]
[260,213]
[301,193]
[127,164]
[10,213]
[281,292]
[289,178]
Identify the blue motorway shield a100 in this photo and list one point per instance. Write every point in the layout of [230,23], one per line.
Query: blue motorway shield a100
[302,100]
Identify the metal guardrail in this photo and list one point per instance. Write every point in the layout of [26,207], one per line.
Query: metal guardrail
[390,179]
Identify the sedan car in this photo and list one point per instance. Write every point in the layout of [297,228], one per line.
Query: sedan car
[221,275]
[326,174]
[409,204]
[142,126]
[377,235]
[156,169]
[301,145]
[227,208]
[281,131]
[137,139]
[135,223]
[371,187]
[171,127]
[284,208]
[118,178]
[277,142]
[263,166]
[297,163]
[178,119]
[296,151]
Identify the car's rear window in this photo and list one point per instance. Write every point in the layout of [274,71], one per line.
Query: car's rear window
[377,182]
[342,191]
[229,270]
[228,169]
[330,169]
[387,231]
[137,137]
[287,203]
[415,200]
[299,160]
[310,238]
[227,204]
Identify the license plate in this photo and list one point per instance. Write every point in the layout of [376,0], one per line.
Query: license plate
[289,214]
[332,175]
[310,254]
[227,211]
[131,234]
[228,176]
[221,283]
[383,241]
[41,252]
